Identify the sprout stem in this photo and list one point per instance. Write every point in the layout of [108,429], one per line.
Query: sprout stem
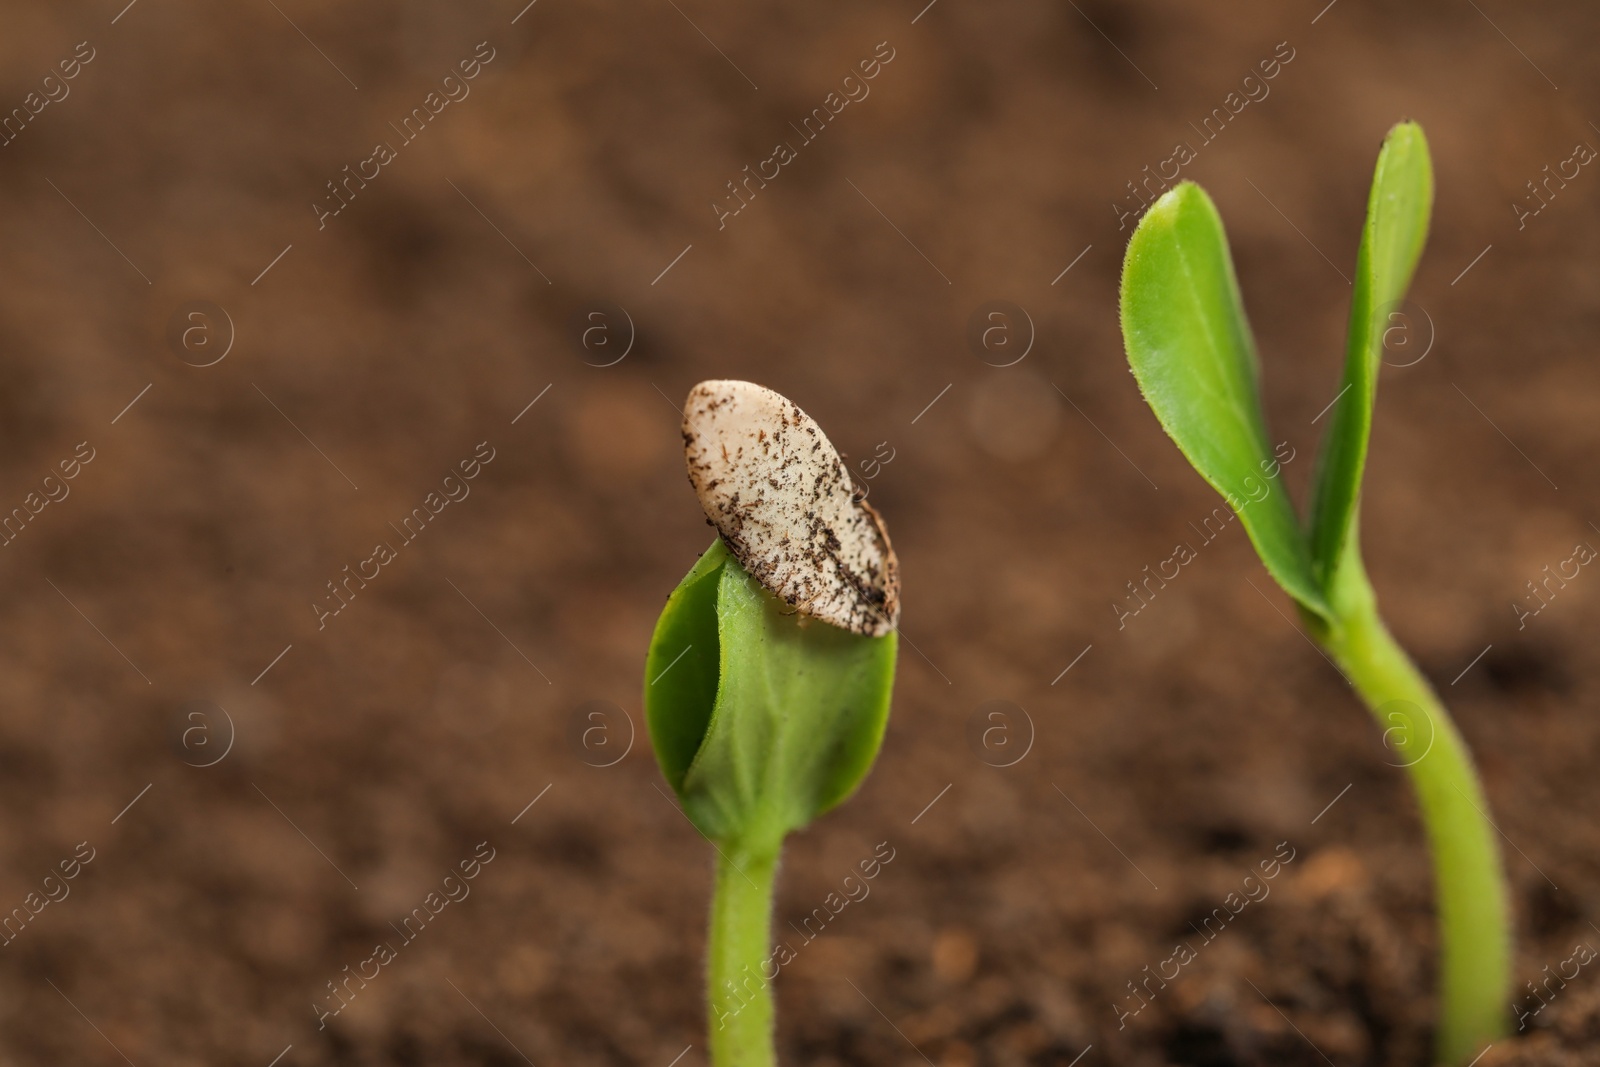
[739,997]
[1474,935]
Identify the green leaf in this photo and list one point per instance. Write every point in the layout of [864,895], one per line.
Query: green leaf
[778,717]
[1398,208]
[1192,352]
[680,669]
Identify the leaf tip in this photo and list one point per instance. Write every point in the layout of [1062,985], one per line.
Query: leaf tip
[1406,128]
[1170,206]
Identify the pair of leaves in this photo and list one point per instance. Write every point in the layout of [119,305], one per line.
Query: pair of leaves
[1193,354]
[761,718]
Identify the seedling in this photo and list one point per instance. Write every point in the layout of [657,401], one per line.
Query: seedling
[1194,357]
[768,677]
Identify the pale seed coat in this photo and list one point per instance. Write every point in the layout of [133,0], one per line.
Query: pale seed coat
[780,496]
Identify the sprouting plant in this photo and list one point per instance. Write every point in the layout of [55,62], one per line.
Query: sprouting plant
[1194,357]
[768,677]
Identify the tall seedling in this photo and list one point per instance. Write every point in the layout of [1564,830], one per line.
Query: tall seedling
[1192,352]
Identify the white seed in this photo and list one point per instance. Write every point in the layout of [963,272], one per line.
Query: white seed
[777,491]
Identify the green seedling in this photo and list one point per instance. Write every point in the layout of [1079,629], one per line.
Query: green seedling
[768,677]
[1194,357]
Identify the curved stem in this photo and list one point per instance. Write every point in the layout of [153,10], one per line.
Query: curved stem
[1474,935]
[739,995]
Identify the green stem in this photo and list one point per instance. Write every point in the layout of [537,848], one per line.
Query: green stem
[739,995]
[1474,935]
